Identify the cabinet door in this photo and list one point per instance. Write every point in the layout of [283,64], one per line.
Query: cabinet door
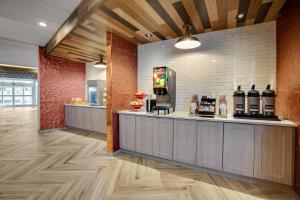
[82,121]
[75,116]
[238,155]
[87,113]
[210,144]
[143,134]
[185,140]
[103,120]
[127,132]
[68,116]
[96,119]
[163,138]
[274,153]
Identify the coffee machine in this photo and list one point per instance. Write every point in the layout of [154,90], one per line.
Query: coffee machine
[164,87]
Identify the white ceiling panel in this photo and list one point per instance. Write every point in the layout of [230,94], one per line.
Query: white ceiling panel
[19,19]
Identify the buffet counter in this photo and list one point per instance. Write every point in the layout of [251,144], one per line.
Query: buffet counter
[86,117]
[259,149]
[229,119]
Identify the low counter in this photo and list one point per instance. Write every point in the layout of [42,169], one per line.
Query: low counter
[88,106]
[86,117]
[259,149]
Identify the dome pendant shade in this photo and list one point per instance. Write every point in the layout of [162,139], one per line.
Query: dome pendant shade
[187,41]
[100,64]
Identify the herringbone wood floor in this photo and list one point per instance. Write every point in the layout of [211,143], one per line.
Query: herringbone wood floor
[67,165]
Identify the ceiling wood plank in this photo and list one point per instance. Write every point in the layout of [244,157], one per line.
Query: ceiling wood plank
[274,10]
[148,9]
[202,11]
[212,10]
[143,31]
[85,38]
[222,12]
[167,5]
[233,6]
[85,8]
[158,7]
[262,12]
[192,12]
[252,12]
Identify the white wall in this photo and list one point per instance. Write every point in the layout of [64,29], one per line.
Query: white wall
[16,53]
[93,73]
[226,58]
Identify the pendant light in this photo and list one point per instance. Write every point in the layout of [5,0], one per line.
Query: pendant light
[101,63]
[187,41]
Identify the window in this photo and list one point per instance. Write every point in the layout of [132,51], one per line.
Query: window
[17,92]
[7,101]
[7,90]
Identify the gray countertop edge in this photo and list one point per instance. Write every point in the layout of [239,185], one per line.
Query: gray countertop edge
[229,119]
[88,106]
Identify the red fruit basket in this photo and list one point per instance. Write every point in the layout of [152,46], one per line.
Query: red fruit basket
[140,95]
[137,106]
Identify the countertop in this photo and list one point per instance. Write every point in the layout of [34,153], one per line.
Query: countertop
[104,107]
[229,119]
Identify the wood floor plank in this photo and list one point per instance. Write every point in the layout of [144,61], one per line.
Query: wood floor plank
[73,165]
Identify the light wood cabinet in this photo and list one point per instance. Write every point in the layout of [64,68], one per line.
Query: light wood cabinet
[210,144]
[274,153]
[127,132]
[238,156]
[163,138]
[185,140]
[144,134]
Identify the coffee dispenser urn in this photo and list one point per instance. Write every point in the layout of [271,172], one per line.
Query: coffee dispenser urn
[239,102]
[253,102]
[268,102]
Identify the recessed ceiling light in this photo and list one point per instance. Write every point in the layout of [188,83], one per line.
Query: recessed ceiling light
[148,35]
[240,16]
[42,24]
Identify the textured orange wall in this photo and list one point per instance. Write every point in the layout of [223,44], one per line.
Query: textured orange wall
[60,80]
[121,83]
[288,74]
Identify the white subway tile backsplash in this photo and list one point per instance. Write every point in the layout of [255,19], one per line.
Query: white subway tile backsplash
[227,58]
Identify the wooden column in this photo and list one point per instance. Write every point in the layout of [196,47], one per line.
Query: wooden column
[121,83]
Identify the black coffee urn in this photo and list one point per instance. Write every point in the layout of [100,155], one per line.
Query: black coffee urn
[268,102]
[239,102]
[253,102]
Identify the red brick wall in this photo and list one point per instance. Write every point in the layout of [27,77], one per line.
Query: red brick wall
[288,74]
[59,81]
[121,83]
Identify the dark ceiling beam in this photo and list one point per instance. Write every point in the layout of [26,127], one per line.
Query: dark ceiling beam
[85,9]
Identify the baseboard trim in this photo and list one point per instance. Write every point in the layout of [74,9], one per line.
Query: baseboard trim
[51,130]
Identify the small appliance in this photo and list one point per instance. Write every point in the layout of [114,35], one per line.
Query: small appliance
[96,92]
[239,102]
[253,102]
[268,102]
[207,107]
[164,87]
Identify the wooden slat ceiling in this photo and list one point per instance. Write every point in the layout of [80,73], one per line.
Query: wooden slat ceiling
[163,19]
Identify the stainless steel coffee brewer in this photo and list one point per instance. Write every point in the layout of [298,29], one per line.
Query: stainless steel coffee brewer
[253,102]
[164,87]
[268,102]
[239,102]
